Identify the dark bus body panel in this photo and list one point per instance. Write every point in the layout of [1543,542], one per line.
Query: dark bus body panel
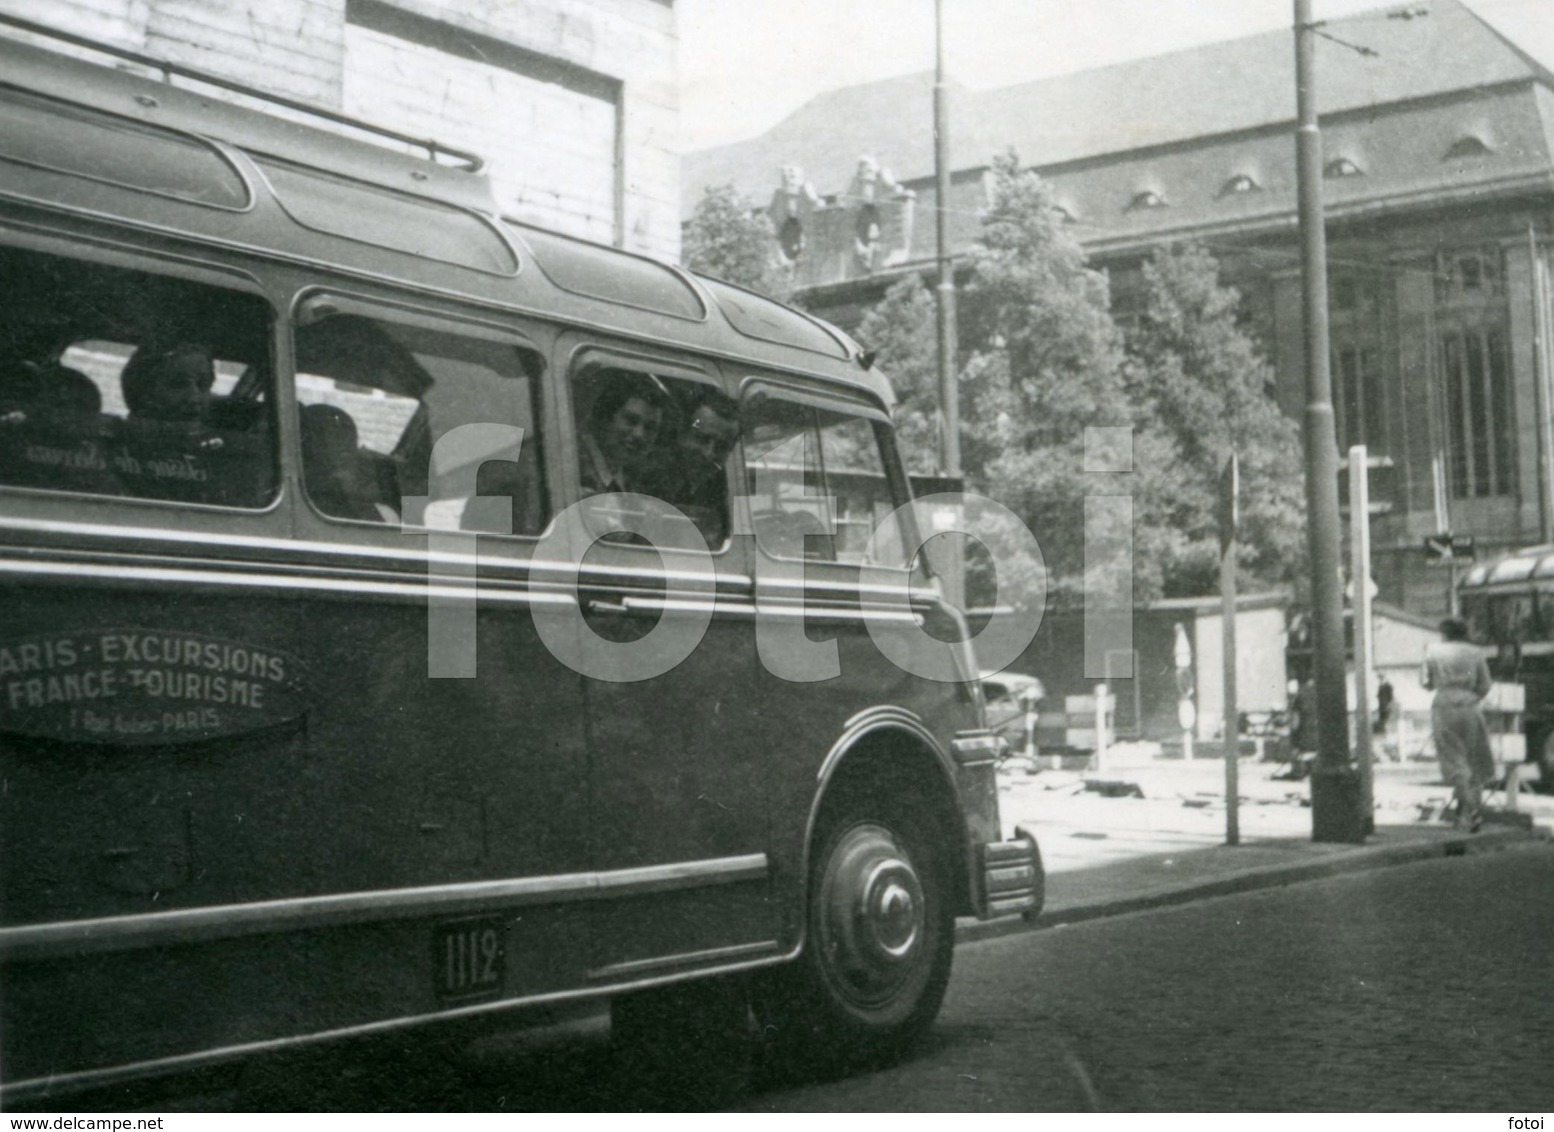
[1508,604]
[236,809]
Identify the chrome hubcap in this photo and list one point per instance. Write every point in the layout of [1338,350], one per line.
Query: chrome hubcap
[872,915]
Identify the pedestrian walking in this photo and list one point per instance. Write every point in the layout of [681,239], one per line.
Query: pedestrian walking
[1386,712]
[1456,672]
[1303,728]
[1385,698]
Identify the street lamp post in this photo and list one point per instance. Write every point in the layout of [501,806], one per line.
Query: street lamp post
[1335,802]
[949,392]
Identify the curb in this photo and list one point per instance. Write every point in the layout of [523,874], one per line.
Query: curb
[1359,859]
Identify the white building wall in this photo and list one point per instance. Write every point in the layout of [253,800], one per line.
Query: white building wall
[552,160]
[1261,677]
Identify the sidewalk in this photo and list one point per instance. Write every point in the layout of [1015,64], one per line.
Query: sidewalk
[1146,831]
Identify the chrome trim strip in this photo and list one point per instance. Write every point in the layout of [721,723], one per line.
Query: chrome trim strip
[329,555]
[818,612]
[974,748]
[265,917]
[779,584]
[684,958]
[884,717]
[727,607]
[413,590]
[181,1063]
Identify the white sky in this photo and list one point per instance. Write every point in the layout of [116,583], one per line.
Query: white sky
[746,64]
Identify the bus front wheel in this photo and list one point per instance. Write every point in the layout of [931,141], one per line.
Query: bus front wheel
[880,939]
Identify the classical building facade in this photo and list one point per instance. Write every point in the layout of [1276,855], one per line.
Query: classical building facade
[1439,194]
[574,106]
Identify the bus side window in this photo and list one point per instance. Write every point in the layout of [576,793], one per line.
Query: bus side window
[1543,615]
[122,382]
[1475,611]
[1513,614]
[375,393]
[669,438]
[799,455]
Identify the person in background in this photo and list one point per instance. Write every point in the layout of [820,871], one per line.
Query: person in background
[1386,710]
[1303,727]
[1455,671]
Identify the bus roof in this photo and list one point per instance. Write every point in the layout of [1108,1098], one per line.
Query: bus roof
[273,179]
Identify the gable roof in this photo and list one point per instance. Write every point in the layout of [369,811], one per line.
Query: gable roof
[1217,88]
[890,119]
[1244,84]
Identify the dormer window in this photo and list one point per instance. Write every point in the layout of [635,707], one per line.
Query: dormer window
[1343,167]
[1146,198]
[1469,145]
[1240,183]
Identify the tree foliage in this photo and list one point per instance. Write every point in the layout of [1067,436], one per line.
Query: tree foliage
[1200,378]
[729,239]
[1043,362]
[902,329]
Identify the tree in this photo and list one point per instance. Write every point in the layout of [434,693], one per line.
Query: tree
[1044,362]
[1200,379]
[729,239]
[902,330]
[1044,365]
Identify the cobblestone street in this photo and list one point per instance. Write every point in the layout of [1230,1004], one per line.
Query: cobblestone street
[1422,988]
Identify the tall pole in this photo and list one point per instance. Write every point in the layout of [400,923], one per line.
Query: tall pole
[1335,809]
[1230,507]
[1364,650]
[949,392]
[1540,387]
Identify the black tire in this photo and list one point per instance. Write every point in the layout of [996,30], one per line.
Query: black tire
[880,936]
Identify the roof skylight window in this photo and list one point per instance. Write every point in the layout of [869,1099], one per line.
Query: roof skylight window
[1469,145]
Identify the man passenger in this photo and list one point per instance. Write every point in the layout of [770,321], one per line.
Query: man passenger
[689,471]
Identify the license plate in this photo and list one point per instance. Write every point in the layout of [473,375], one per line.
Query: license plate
[469,958]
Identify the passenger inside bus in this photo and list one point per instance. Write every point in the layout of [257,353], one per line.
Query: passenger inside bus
[338,479]
[689,470]
[172,385]
[125,383]
[48,389]
[624,426]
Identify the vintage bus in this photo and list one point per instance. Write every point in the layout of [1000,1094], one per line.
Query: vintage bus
[1508,604]
[335,695]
